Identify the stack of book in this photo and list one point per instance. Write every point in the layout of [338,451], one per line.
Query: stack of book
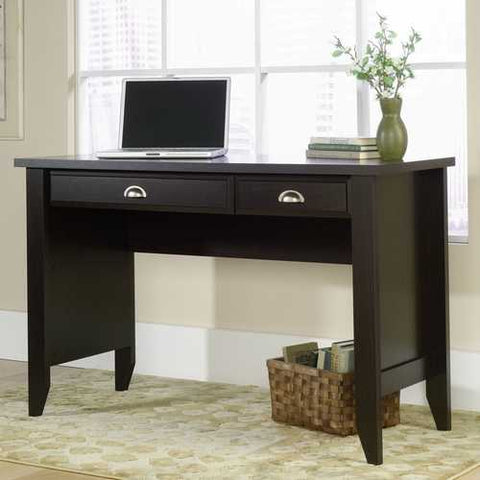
[347,148]
[338,358]
[303,353]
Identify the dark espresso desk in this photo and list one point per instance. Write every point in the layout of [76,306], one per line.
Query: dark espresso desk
[86,217]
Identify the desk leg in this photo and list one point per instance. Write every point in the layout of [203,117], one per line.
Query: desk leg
[433,249]
[80,288]
[366,318]
[38,386]
[38,366]
[124,366]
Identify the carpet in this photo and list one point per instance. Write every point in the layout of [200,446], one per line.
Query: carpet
[176,429]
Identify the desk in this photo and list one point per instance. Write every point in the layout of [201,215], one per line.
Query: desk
[86,217]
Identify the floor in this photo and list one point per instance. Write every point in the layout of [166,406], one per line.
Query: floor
[15,373]
[11,471]
[475,475]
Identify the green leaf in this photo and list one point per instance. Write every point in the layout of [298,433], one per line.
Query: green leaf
[388,81]
[362,76]
[385,73]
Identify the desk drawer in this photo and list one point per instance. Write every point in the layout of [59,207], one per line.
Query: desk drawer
[295,197]
[176,193]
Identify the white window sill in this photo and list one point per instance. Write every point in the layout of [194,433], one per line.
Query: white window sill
[458,239]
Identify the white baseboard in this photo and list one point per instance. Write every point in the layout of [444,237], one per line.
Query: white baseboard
[13,336]
[226,356]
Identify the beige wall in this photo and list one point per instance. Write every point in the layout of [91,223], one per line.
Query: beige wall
[45,118]
[251,295]
[465,261]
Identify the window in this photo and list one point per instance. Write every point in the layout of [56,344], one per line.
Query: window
[286,86]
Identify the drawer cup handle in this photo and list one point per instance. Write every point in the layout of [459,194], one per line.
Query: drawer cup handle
[135,191]
[291,196]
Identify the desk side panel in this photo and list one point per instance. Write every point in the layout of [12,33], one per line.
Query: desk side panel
[90,290]
[400,322]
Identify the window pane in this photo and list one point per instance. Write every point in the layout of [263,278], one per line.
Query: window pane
[120,34]
[440,22]
[303,105]
[242,113]
[434,111]
[210,33]
[100,113]
[301,32]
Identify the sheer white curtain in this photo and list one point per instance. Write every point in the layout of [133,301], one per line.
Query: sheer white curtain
[286,86]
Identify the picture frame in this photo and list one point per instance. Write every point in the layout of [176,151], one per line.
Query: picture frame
[11,70]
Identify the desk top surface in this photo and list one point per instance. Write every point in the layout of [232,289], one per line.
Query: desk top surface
[237,163]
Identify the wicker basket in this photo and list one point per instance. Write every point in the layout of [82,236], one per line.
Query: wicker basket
[319,399]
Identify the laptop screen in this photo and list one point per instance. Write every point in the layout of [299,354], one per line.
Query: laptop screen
[175,113]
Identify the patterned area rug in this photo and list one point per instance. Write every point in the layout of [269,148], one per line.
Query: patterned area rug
[174,429]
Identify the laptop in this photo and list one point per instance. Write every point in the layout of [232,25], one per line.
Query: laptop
[173,118]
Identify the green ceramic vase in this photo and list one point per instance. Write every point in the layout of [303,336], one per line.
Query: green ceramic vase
[392,137]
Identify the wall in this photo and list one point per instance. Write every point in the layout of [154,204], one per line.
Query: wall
[46,120]
[465,261]
[291,298]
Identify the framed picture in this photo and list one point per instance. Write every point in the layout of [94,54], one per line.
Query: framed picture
[11,69]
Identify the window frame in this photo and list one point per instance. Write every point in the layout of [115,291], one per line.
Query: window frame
[259,72]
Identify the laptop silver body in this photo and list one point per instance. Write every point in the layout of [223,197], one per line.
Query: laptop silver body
[173,117]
